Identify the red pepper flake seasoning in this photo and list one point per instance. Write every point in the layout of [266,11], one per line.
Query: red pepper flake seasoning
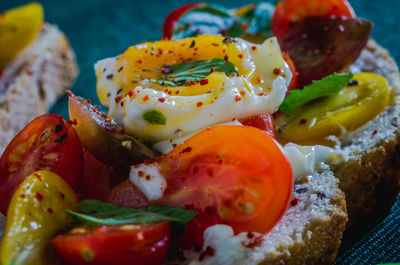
[140,61]
[186,150]
[148,177]
[165,70]
[215,44]
[250,235]
[130,93]
[209,251]
[242,92]
[122,103]
[88,100]
[118,99]
[199,104]
[244,26]
[253,48]
[39,196]
[303,121]
[240,56]
[38,176]
[72,122]
[23,195]
[294,202]
[238,98]
[212,69]
[146,98]
[203,82]
[177,92]
[261,94]
[192,82]
[49,210]
[161,100]
[62,195]
[108,119]
[226,57]
[277,71]
[140,173]
[374,132]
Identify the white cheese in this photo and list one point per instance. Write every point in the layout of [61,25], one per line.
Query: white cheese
[149,180]
[305,159]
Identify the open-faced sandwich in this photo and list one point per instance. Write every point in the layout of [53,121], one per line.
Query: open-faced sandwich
[223,144]
[36,66]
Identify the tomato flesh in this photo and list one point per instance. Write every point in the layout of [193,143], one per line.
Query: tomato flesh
[173,17]
[264,122]
[145,244]
[290,11]
[48,142]
[235,175]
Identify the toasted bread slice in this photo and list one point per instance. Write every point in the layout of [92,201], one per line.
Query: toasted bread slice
[369,163]
[34,80]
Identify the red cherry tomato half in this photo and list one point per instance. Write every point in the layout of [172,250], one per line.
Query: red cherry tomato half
[173,17]
[235,175]
[128,195]
[289,11]
[264,122]
[144,244]
[47,142]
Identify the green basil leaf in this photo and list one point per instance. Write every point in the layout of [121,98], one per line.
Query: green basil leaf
[324,87]
[182,73]
[102,213]
[155,117]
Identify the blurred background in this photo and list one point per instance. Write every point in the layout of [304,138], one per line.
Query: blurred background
[104,28]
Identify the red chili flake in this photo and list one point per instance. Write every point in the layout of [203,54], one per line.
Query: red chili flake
[226,57]
[146,98]
[244,26]
[212,69]
[136,166]
[49,210]
[177,92]
[215,44]
[170,93]
[191,71]
[253,48]
[303,121]
[161,100]
[140,173]
[23,195]
[39,196]
[240,56]
[148,162]
[209,251]
[171,51]
[108,119]
[192,82]
[38,176]
[203,82]
[294,202]
[196,49]
[242,92]
[277,71]
[165,70]
[62,195]
[87,100]
[118,99]
[250,235]
[140,61]
[238,98]
[122,103]
[199,104]
[130,93]
[148,177]
[72,122]
[186,150]
[374,132]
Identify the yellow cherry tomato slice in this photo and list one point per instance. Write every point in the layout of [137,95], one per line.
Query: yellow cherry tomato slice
[18,28]
[36,213]
[336,114]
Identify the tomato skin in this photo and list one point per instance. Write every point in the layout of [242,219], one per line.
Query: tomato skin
[115,245]
[264,122]
[173,17]
[235,175]
[128,195]
[289,11]
[292,67]
[48,142]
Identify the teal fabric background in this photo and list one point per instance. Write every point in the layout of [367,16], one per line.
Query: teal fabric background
[102,28]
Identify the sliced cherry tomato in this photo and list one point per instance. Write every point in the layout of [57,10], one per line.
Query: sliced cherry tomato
[47,142]
[128,195]
[264,122]
[173,17]
[145,244]
[98,179]
[235,175]
[290,11]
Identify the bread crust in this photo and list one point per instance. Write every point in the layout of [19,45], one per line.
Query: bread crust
[34,81]
[369,163]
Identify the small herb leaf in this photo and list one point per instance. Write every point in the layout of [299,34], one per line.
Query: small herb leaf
[327,86]
[155,117]
[183,73]
[102,213]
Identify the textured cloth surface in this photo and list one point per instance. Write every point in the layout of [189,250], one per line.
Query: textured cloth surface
[104,28]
